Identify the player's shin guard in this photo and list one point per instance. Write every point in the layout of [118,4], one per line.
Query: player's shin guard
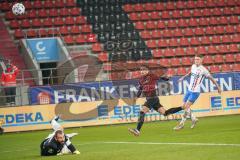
[172,111]
[140,120]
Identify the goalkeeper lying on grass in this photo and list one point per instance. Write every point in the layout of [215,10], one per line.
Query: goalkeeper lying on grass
[57,143]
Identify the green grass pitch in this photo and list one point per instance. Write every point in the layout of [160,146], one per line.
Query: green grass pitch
[157,141]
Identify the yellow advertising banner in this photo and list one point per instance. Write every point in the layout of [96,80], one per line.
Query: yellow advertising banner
[112,111]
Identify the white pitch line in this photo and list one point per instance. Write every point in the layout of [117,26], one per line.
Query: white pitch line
[140,143]
[169,143]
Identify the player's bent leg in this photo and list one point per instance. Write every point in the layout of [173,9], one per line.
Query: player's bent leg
[136,131]
[55,125]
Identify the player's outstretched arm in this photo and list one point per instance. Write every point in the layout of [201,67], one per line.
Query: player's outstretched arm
[183,77]
[216,84]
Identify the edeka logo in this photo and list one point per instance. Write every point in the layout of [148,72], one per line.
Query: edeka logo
[22,118]
[217,102]
[103,110]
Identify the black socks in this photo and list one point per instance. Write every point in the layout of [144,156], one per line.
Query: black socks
[172,110]
[140,120]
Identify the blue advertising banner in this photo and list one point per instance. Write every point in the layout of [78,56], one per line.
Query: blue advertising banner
[86,92]
[44,49]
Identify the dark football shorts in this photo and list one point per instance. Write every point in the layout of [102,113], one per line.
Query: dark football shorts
[153,102]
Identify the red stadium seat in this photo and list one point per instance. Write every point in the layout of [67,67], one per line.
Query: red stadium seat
[172,24]
[203,21]
[233,48]
[144,16]
[197,13]
[64,12]
[234,20]
[160,24]
[145,34]
[231,3]
[214,69]
[200,4]
[59,3]
[42,13]
[201,50]
[164,62]
[236,67]
[92,38]
[134,16]
[14,24]
[236,10]
[158,53]
[235,38]
[212,49]
[4,6]
[181,71]
[149,7]
[37,4]
[150,25]
[169,53]
[173,42]
[190,51]
[209,31]
[180,4]
[18,34]
[74,11]
[53,32]
[184,41]
[151,44]
[179,51]
[237,57]
[175,62]
[47,22]
[167,33]
[162,43]
[227,39]
[63,30]
[159,6]
[221,3]
[48,4]
[195,41]
[229,29]
[182,23]
[96,47]
[31,33]
[178,32]
[86,28]
[170,5]
[75,29]
[216,40]
[36,23]
[32,14]
[213,20]
[26,23]
[191,4]
[69,20]
[193,22]
[219,30]
[186,13]
[70,3]
[171,71]
[218,59]
[9,15]
[127,8]
[223,49]
[176,14]
[223,20]
[58,21]
[154,15]
[226,68]
[165,15]
[139,25]
[53,12]
[156,34]
[69,39]
[138,7]
[199,31]
[208,60]
[186,61]
[80,20]
[229,58]
[238,28]
[81,39]
[206,12]
[205,40]
[188,32]
[216,11]
[42,33]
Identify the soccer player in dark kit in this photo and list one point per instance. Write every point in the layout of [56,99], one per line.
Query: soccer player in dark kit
[147,88]
[58,143]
